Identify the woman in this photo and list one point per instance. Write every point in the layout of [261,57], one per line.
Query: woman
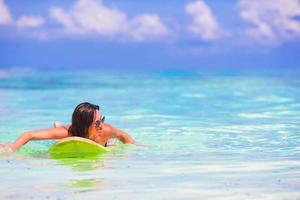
[87,122]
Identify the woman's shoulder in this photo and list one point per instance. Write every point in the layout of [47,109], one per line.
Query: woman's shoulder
[107,127]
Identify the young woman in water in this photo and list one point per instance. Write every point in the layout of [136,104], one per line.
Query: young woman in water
[87,122]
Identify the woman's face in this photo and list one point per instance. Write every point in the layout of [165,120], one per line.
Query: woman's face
[94,128]
[96,120]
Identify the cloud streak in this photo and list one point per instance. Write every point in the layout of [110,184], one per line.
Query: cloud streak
[30,21]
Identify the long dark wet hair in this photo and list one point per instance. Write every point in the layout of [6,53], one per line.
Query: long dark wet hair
[82,118]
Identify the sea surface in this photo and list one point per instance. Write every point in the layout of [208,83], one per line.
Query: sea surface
[207,136]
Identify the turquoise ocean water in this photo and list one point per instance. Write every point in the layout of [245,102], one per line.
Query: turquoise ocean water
[208,137]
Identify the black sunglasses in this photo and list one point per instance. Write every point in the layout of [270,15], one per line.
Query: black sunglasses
[99,122]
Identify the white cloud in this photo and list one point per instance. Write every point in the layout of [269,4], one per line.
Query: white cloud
[63,18]
[30,21]
[148,25]
[5,16]
[204,25]
[88,17]
[273,21]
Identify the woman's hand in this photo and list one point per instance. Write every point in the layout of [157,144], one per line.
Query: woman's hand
[6,148]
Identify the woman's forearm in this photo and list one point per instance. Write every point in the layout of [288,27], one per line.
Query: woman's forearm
[20,141]
[44,134]
[125,138]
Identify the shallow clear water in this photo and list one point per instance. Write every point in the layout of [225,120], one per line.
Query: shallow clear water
[208,137]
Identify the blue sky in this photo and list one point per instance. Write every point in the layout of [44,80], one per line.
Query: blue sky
[214,35]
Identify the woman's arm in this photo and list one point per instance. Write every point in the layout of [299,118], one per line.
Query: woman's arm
[116,133]
[51,133]
[123,137]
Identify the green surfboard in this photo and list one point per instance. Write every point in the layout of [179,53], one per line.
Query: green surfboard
[76,147]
